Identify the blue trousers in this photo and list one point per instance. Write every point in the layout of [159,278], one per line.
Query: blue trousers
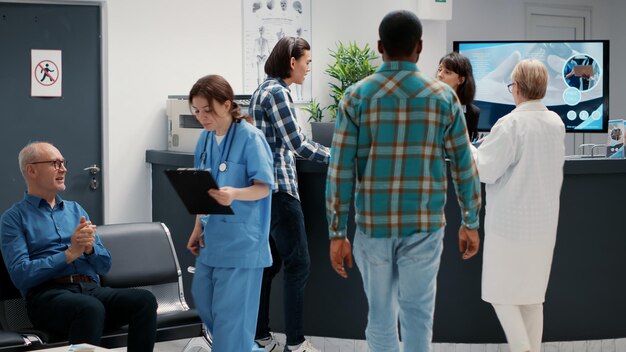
[227,300]
[400,280]
[85,310]
[290,248]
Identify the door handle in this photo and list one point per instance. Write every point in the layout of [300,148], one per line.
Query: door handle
[93,169]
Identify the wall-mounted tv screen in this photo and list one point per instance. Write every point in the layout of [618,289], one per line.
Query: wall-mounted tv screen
[578,85]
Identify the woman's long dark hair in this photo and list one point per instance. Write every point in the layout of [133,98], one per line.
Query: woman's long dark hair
[461,65]
[278,64]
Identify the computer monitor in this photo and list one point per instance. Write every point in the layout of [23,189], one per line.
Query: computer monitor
[578,85]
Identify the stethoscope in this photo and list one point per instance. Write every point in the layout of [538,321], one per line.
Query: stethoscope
[222,167]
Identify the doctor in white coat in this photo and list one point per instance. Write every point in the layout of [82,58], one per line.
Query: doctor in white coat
[521,163]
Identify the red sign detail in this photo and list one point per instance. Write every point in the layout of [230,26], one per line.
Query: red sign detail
[46,73]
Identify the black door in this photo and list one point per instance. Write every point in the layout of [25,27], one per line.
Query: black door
[72,122]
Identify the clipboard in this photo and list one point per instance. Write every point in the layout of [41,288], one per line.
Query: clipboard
[192,187]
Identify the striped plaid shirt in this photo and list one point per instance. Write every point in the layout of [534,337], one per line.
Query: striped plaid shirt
[397,126]
[273,112]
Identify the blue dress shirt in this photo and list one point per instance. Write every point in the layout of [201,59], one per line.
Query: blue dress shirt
[33,240]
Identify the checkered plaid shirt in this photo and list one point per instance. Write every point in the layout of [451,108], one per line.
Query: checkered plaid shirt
[396,127]
[273,112]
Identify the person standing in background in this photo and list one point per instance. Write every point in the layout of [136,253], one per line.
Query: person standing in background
[455,70]
[273,112]
[393,129]
[521,163]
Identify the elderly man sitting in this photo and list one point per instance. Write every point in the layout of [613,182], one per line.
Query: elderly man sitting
[54,257]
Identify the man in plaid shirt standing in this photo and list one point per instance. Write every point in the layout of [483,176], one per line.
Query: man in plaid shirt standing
[393,132]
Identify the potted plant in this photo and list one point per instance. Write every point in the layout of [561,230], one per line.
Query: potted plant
[351,64]
[315,111]
[322,132]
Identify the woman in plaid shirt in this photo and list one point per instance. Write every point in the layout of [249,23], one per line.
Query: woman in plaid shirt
[273,112]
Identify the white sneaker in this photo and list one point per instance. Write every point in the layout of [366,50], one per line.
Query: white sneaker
[306,346]
[270,344]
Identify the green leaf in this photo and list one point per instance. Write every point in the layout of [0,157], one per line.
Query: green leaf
[351,64]
[316,113]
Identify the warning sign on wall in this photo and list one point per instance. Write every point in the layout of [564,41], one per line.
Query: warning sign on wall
[46,73]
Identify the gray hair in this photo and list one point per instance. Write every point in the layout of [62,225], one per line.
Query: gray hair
[29,154]
[531,76]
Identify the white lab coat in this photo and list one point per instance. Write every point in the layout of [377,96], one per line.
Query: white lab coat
[521,163]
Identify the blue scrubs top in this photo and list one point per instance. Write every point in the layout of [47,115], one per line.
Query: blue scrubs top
[240,240]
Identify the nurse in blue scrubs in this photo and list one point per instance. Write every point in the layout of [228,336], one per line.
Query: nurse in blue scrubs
[231,250]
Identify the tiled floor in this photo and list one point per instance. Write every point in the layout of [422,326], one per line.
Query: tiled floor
[326,344]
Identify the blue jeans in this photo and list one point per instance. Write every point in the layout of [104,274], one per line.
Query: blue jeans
[289,248]
[400,281]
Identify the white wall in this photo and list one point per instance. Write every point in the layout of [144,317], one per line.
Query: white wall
[505,19]
[156,49]
[160,48]
[617,35]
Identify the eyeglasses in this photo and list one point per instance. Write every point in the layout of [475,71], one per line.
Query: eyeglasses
[510,87]
[56,163]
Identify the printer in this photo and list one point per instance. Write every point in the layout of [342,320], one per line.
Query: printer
[183,129]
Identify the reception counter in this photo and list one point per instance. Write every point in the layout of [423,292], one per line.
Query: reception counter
[585,297]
